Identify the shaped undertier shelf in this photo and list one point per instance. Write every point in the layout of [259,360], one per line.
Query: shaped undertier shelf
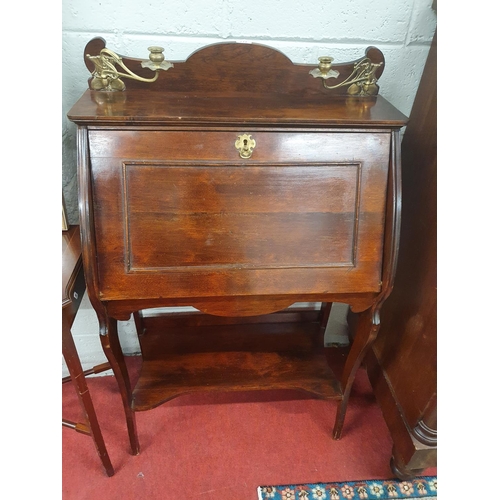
[250,354]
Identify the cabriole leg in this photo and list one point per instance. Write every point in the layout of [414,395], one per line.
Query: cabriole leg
[113,351]
[367,327]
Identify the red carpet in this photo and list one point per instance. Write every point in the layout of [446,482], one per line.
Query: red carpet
[222,446]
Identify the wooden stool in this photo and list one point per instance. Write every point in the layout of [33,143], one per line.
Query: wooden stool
[73,288]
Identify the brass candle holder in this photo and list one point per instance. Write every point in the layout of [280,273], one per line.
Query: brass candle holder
[362,81]
[106,77]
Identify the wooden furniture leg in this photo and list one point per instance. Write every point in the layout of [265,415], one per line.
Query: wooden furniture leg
[326,309]
[73,289]
[77,376]
[400,469]
[139,324]
[367,327]
[113,351]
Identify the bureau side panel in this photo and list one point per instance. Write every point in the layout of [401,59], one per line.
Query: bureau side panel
[179,214]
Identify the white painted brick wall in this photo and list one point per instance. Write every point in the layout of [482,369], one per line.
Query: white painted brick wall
[402,29]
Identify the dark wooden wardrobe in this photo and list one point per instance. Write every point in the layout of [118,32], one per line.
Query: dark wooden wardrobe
[402,365]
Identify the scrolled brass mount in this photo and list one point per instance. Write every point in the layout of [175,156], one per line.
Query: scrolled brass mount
[107,77]
[362,81]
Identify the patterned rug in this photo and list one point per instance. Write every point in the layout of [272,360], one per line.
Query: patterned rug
[424,487]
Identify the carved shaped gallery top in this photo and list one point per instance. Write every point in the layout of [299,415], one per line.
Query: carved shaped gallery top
[358,77]
[233,82]
[223,63]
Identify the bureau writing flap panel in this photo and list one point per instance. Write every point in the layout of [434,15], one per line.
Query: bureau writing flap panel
[240,217]
[170,226]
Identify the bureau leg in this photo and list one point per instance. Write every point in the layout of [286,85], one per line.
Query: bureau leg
[367,327]
[326,309]
[139,324]
[113,351]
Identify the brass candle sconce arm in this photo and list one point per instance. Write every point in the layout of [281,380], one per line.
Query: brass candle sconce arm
[362,80]
[107,77]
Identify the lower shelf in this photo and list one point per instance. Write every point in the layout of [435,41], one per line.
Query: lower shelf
[231,357]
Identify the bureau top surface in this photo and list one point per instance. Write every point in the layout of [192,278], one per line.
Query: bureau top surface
[146,107]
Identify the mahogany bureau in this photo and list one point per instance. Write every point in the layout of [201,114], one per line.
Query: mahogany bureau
[237,183]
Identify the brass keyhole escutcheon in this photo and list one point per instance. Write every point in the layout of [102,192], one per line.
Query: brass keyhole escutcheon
[245,145]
